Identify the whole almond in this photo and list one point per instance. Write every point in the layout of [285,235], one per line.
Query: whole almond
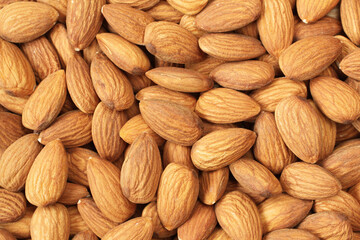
[213,185]
[349,12]
[245,75]
[139,4]
[111,85]
[82,27]
[276,26]
[5,235]
[178,124]
[175,202]
[308,57]
[73,193]
[26,21]
[230,46]
[175,153]
[221,148]
[308,181]
[136,228]
[336,99]
[12,206]
[163,11]
[47,177]
[21,227]
[238,216]
[224,16]
[51,222]
[16,161]
[85,235]
[282,211]
[180,79]
[310,11]
[46,102]
[284,234]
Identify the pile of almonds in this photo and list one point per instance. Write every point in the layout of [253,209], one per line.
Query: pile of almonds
[180,119]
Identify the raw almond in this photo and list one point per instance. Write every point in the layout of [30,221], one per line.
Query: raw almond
[347,48]
[21,227]
[175,153]
[190,7]
[350,12]
[350,64]
[310,11]
[12,206]
[139,82]
[163,11]
[285,234]
[205,66]
[136,228]
[139,4]
[213,185]
[73,193]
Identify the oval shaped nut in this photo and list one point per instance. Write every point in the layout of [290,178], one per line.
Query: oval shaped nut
[225,16]
[111,85]
[161,93]
[163,11]
[51,222]
[5,235]
[349,12]
[328,225]
[180,79]
[307,58]
[16,161]
[128,22]
[295,115]
[308,181]
[175,202]
[254,179]
[16,75]
[25,21]
[21,227]
[184,46]
[73,128]
[110,200]
[12,206]
[269,96]
[343,203]
[127,56]
[336,99]
[188,22]
[285,234]
[190,7]
[276,26]
[350,64]
[310,11]
[245,75]
[136,228]
[224,105]
[47,177]
[73,193]
[172,121]
[231,46]
[221,148]
[46,102]
[238,216]
[213,185]
[82,27]
[282,211]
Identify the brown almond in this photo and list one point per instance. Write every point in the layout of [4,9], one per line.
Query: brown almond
[250,30]
[350,64]
[85,235]
[284,234]
[60,6]
[136,228]
[219,234]
[205,66]
[163,11]
[12,206]
[73,193]
[12,103]
[347,47]
[139,4]
[5,235]
[188,22]
[345,132]
[21,227]
[310,11]
[77,223]
[190,7]
[175,153]
[349,12]
[213,185]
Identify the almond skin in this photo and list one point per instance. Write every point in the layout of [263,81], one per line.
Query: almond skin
[138,4]
[176,153]
[219,234]
[336,99]
[111,85]
[282,211]
[350,64]
[163,11]
[52,222]
[136,228]
[224,105]
[12,206]
[221,148]
[60,6]
[345,132]
[73,193]
[349,12]
[26,21]
[178,124]
[206,65]
[82,26]
[180,79]
[310,11]
[175,202]
[188,22]
[238,216]
[307,181]
[308,57]
[162,40]
[284,234]
[294,115]
[245,75]
[85,235]
[128,22]
[110,200]
[21,227]
[224,16]
[230,46]
[5,235]
[213,185]
[72,128]
[46,102]
[190,7]
[77,223]
[16,161]
[47,177]
[12,103]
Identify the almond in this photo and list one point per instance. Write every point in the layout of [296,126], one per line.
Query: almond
[52,222]
[349,11]
[47,177]
[139,4]
[190,7]
[85,235]
[136,228]
[12,206]
[205,66]
[26,21]
[308,181]
[284,234]
[139,82]
[211,127]
[77,223]
[12,103]
[213,185]
[16,161]
[282,211]
[73,193]
[350,64]
[230,46]
[224,105]
[82,26]
[221,148]
[347,47]
[163,11]
[60,6]
[310,11]
[177,123]
[175,153]
[224,16]
[180,79]
[188,22]
[111,85]
[21,227]
[308,57]
[175,202]
[250,30]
